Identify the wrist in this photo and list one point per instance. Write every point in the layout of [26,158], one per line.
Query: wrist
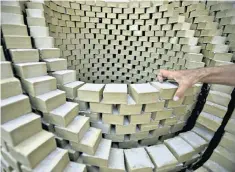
[207,73]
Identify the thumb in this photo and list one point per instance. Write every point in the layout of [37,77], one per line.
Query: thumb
[180,92]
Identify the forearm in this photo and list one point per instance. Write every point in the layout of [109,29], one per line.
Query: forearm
[218,75]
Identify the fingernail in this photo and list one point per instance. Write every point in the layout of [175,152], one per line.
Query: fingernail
[176,98]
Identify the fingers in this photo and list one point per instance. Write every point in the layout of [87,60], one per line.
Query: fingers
[165,74]
[160,77]
[180,92]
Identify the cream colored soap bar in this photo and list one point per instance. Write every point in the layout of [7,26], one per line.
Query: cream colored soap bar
[11,9]
[75,130]
[209,121]
[48,101]
[167,90]
[143,164]
[201,169]
[115,93]
[64,76]
[30,70]
[91,92]
[194,140]
[8,158]
[34,149]
[153,107]
[17,42]
[230,126]
[56,64]
[219,98]
[6,70]
[101,107]
[224,158]
[222,88]
[213,166]
[55,161]
[13,30]
[44,42]
[90,141]
[24,55]
[101,156]
[180,148]
[14,107]
[140,119]
[11,18]
[203,132]
[116,161]
[39,85]
[17,127]
[162,163]
[46,53]
[130,108]
[36,21]
[144,93]
[228,142]
[35,13]
[71,88]
[2,54]
[10,87]
[38,31]
[215,109]
[72,166]
[63,115]
[113,119]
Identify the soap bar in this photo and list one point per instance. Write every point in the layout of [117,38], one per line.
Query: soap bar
[167,90]
[194,140]
[10,87]
[228,142]
[165,162]
[24,55]
[180,148]
[144,93]
[116,161]
[91,92]
[115,94]
[101,156]
[130,108]
[213,166]
[224,158]
[143,164]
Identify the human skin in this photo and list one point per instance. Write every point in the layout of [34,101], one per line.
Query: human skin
[224,75]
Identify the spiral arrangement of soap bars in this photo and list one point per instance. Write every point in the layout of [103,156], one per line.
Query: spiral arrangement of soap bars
[79,89]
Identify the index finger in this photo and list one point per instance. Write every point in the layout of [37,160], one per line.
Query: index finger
[166,74]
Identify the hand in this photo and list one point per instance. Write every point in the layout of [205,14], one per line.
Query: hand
[185,79]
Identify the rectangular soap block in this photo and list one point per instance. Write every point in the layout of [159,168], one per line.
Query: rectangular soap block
[130,108]
[24,55]
[167,90]
[46,53]
[13,42]
[166,162]
[116,161]
[14,30]
[91,92]
[115,94]
[30,70]
[180,148]
[144,93]
[138,164]
[10,87]
[14,107]
[219,98]
[101,156]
